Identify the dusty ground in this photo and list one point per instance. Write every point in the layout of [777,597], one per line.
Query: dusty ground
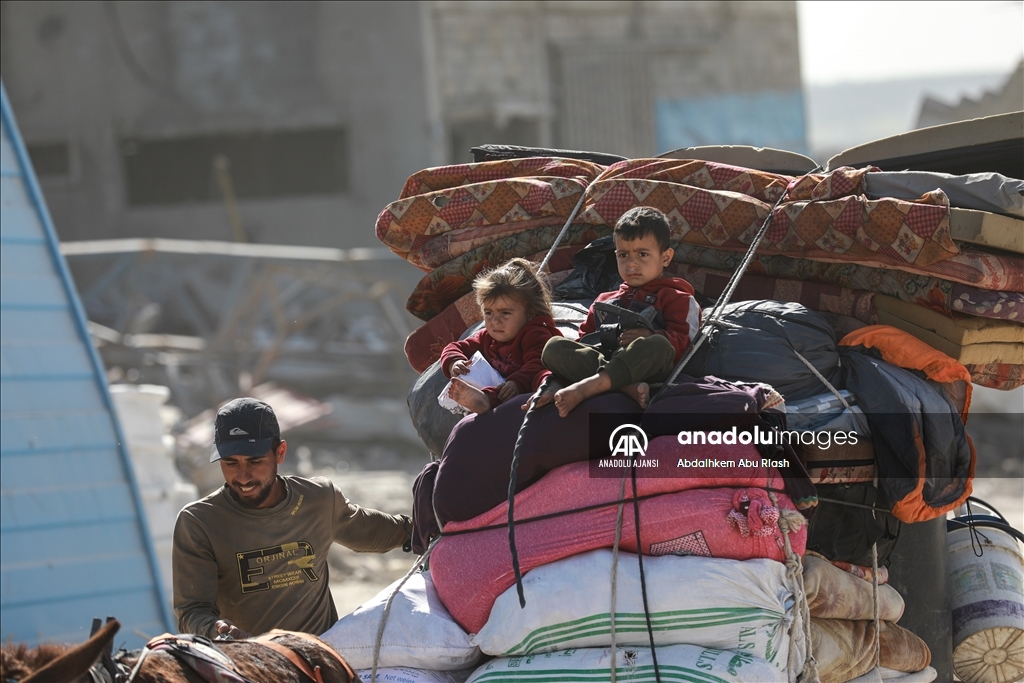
[357,577]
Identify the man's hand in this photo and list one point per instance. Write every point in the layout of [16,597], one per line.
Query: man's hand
[459,368]
[225,627]
[629,335]
[508,390]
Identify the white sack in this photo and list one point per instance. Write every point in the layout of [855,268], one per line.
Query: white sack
[635,665]
[403,674]
[726,604]
[419,633]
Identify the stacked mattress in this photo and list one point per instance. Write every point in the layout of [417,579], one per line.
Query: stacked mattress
[837,241]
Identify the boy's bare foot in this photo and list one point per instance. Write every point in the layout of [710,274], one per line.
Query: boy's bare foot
[639,392]
[470,398]
[568,398]
[544,395]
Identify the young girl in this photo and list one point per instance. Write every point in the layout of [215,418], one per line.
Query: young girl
[517,323]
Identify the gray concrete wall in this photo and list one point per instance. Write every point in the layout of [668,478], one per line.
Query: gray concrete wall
[588,73]
[188,68]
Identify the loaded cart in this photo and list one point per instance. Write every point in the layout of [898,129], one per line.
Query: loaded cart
[777,510]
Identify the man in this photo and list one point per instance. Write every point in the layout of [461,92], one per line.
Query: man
[252,556]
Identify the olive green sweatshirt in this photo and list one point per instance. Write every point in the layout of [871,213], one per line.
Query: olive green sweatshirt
[263,569]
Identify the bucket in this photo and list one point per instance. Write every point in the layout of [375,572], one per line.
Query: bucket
[987,602]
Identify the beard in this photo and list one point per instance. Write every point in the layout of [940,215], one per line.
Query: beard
[253,502]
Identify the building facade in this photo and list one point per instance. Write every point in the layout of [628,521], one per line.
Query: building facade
[297,122]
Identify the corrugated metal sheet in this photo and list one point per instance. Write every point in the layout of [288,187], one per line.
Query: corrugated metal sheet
[73,542]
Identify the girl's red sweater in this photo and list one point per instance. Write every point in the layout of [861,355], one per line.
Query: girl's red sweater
[517,360]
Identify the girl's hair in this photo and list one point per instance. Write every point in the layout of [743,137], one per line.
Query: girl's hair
[516,279]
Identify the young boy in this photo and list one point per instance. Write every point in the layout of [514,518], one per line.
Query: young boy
[642,252]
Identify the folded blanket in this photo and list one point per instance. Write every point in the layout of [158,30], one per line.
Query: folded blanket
[817,296]
[997,375]
[891,232]
[444,177]
[939,293]
[959,330]
[982,191]
[517,203]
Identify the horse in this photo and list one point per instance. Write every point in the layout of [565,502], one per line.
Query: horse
[277,657]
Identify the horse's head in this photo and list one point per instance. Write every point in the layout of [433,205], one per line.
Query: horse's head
[55,663]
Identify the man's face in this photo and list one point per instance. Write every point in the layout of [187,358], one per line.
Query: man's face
[250,479]
[641,261]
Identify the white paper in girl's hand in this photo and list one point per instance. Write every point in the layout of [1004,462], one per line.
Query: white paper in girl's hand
[480,375]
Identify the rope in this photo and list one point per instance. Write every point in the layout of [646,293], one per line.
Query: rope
[978,550]
[562,513]
[512,479]
[387,607]
[791,522]
[730,287]
[821,377]
[874,601]
[615,569]
[643,579]
[565,229]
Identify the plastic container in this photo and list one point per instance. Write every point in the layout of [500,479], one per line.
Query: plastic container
[987,599]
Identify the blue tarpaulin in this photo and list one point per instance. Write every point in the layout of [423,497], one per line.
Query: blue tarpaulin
[760,119]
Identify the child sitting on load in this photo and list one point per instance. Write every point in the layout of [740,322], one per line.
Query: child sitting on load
[516,306]
[641,355]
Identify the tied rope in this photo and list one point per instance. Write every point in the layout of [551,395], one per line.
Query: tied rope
[512,480]
[643,579]
[387,607]
[791,522]
[821,377]
[565,229]
[730,287]
[874,601]
[615,570]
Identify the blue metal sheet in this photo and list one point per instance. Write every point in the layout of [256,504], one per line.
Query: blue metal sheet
[31,291]
[8,161]
[63,467]
[73,541]
[52,358]
[34,325]
[23,258]
[12,191]
[17,222]
[49,620]
[27,432]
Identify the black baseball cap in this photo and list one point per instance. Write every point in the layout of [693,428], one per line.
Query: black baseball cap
[245,426]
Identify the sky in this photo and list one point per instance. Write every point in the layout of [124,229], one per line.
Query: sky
[874,41]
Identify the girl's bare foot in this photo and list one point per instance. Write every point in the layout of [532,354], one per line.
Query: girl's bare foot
[470,398]
[639,392]
[544,395]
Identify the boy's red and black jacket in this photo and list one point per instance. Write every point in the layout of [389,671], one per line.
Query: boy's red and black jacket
[672,297]
[517,360]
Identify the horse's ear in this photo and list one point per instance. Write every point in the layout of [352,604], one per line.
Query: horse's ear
[75,662]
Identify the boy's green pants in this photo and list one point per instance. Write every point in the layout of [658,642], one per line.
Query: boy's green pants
[647,359]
